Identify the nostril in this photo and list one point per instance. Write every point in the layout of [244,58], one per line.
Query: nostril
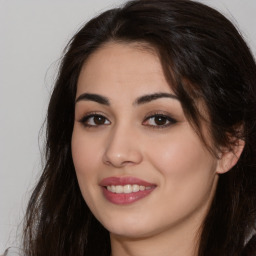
[120,154]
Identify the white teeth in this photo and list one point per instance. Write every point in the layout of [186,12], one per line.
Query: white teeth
[119,189]
[142,188]
[135,188]
[126,188]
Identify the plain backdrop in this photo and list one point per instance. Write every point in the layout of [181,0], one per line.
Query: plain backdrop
[32,37]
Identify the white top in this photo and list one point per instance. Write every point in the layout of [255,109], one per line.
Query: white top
[13,251]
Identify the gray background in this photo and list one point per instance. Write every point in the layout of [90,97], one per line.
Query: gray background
[33,35]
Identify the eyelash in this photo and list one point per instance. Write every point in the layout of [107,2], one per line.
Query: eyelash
[84,120]
[166,118]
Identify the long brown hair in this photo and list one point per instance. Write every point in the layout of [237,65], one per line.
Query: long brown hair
[204,58]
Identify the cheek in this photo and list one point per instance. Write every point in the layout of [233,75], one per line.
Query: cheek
[184,154]
[86,158]
[184,149]
[187,168]
[85,152]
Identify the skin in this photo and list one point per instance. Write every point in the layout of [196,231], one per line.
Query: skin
[128,143]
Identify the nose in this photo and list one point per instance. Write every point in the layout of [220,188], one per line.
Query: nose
[122,148]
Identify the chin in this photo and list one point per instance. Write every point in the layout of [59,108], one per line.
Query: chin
[133,229]
[130,228]
[134,233]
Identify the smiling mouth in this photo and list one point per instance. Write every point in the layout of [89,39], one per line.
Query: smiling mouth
[127,189]
[123,196]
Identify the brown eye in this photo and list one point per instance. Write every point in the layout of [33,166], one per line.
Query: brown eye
[99,120]
[94,120]
[159,121]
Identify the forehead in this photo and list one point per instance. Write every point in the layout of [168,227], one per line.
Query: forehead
[123,67]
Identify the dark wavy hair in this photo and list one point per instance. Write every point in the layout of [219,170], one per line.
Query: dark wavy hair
[205,60]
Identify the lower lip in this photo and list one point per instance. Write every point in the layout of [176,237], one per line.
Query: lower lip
[124,198]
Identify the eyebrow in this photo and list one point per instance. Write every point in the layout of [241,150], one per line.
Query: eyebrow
[150,97]
[93,97]
[141,100]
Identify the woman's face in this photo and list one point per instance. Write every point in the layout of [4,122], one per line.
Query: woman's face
[141,168]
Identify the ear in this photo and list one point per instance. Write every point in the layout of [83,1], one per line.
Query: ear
[229,157]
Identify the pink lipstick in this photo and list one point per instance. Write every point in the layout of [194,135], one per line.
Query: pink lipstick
[125,190]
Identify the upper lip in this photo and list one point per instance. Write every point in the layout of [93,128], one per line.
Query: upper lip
[124,181]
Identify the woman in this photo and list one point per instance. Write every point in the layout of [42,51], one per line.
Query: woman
[150,138]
